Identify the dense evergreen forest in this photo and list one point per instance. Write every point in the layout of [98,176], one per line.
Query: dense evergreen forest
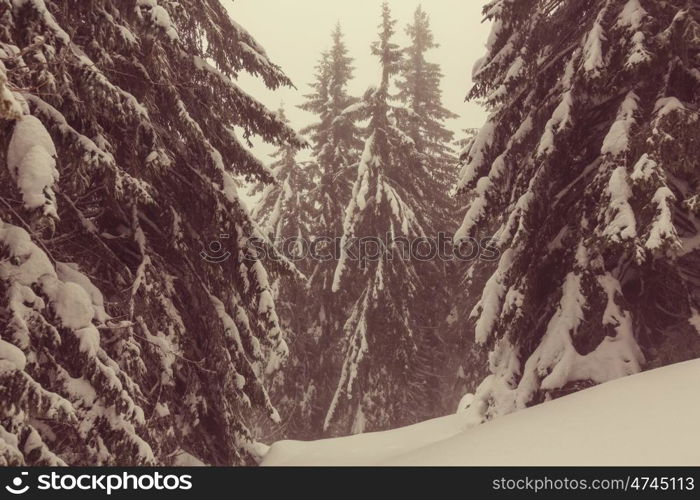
[398,273]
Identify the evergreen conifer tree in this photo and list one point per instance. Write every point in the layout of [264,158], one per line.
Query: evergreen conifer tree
[380,385]
[315,314]
[422,116]
[284,209]
[419,92]
[285,214]
[337,145]
[304,389]
[586,173]
[118,151]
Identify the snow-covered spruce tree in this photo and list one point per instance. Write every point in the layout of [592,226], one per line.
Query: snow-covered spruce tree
[335,137]
[423,115]
[303,390]
[284,214]
[337,145]
[380,385]
[465,142]
[120,345]
[283,211]
[587,174]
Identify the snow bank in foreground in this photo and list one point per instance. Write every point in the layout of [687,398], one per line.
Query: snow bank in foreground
[645,419]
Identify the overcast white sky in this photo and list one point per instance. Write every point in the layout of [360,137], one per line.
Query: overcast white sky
[294,32]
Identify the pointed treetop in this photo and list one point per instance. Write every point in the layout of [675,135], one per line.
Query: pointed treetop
[337,33]
[419,90]
[388,52]
[419,31]
[281,113]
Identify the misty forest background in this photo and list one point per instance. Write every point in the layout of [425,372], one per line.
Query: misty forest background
[125,147]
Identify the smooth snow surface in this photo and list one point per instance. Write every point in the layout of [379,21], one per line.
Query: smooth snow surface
[644,419]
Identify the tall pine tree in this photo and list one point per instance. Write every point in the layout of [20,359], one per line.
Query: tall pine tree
[285,216]
[284,209]
[380,385]
[422,116]
[337,145]
[304,389]
[419,92]
[118,151]
[587,174]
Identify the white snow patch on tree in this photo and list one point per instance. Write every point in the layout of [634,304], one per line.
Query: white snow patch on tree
[643,169]
[489,307]
[618,138]
[560,119]
[477,209]
[593,48]
[556,360]
[667,105]
[71,303]
[10,103]
[13,354]
[555,357]
[159,17]
[69,272]
[638,54]
[31,158]
[695,320]
[477,154]
[184,459]
[663,232]
[632,15]
[621,223]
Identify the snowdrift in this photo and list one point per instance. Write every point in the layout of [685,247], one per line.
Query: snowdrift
[645,419]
